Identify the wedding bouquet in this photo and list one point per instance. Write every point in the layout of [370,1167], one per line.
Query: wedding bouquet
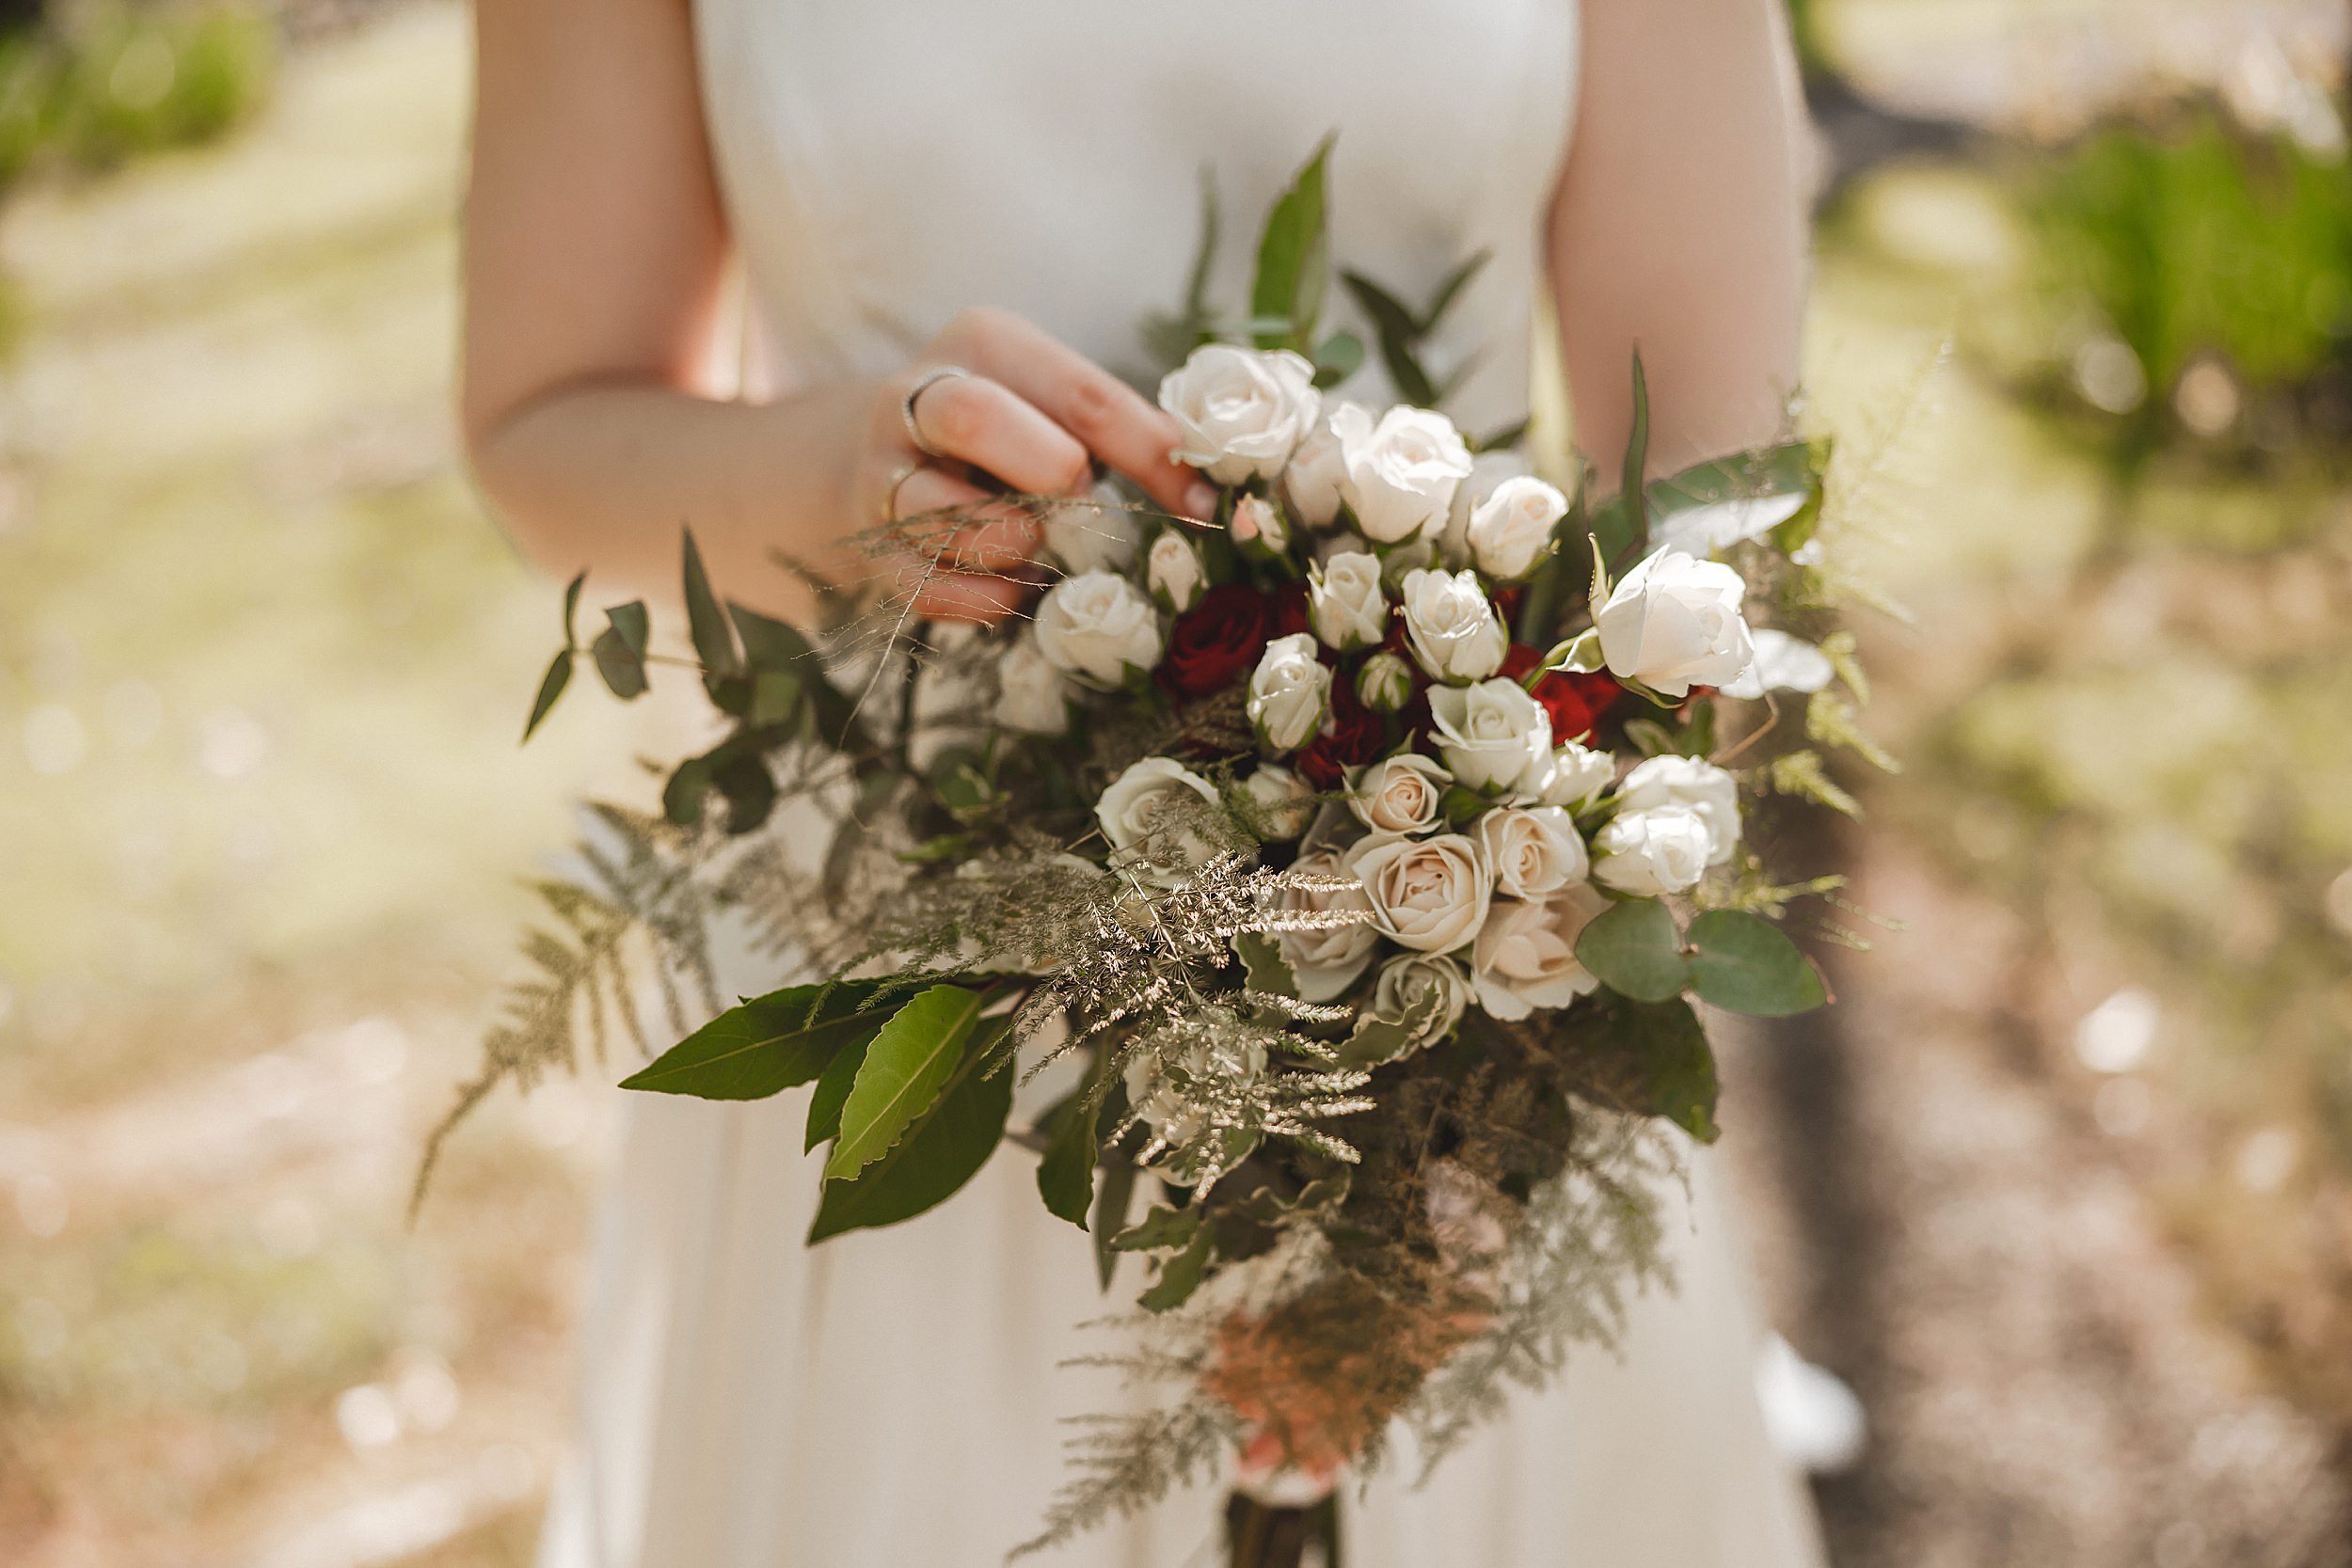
[1352,856]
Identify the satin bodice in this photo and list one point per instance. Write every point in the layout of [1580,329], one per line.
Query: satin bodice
[887,163]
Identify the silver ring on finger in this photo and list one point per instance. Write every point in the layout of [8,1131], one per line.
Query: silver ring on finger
[891,486]
[906,404]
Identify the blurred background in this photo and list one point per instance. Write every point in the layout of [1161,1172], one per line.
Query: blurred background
[2063,1190]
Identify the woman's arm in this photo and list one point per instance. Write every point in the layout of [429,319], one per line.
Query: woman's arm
[1678,227]
[596,250]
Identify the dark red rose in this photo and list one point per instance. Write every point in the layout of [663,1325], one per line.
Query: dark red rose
[1352,736]
[1575,702]
[1216,642]
[1290,609]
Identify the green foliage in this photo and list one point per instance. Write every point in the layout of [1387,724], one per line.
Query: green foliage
[1065,1174]
[1293,261]
[910,1059]
[1401,330]
[1634,950]
[131,82]
[1678,1064]
[942,1149]
[1743,963]
[766,1045]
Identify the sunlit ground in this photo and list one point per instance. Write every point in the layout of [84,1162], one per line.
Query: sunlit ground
[261,662]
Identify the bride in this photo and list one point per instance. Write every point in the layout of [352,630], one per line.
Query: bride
[1002,186]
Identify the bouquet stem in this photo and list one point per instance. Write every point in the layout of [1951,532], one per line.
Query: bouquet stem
[1258,1535]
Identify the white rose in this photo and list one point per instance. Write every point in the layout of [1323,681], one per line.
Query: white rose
[1325,963]
[1427,893]
[1649,852]
[1413,980]
[1531,851]
[1574,775]
[1696,786]
[1399,795]
[1241,410]
[1316,469]
[1289,693]
[1258,521]
[1702,530]
[1384,684]
[1401,473]
[1525,956]
[1454,631]
[1345,602]
[1782,663]
[1674,623]
[1511,530]
[1097,534]
[1139,812]
[1031,695]
[1097,625]
[1173,572]
[1281,802]
[1488,470]
[1491,734]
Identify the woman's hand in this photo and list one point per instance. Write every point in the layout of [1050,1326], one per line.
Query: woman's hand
[994,400]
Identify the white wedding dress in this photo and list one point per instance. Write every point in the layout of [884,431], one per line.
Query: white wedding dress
[892,1398]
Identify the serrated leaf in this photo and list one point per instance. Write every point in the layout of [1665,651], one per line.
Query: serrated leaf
[622,667]
[937,1155]
[766,1045]
[1180,1275]
[714,638]
[1293,258]
[1634,950]
[906,1068]
[1261,960]
[551,687]
[1065,1174]
[1743,963]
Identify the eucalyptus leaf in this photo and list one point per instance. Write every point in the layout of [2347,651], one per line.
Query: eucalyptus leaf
[551,687]
[935,1157]
[622,666]
[714,638]
[630,622]
[775,698]
[1634,950]
[682,796]
[909,1062]
[770,643]
[1743,963]
[742,776]
[766,1045]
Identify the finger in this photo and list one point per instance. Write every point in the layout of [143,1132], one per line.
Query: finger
[966,527]
[1113,420]
[981,422]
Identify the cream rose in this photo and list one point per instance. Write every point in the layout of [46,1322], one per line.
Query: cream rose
[1142,815]
[1325,963]
[1032,696]
[1401,473]
[1400,794]
[1173,572]
[1344,601]
[1487,470]
[1289,693]
[1280,804]
[1427,893]
[1313,480]
[1453,630]
[1573,776]
[1674,623]
[1491,734]
[1510,531]
[1532,851]
[1525,956]
[1242,411]
[1649,852]
[1699,787]
[1099,533]
[1411,981]
[1097,626]
[1385,683]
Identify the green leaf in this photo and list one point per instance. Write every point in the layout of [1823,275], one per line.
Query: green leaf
[1181,1274]
[571,611]
[1632,494]
[766,1045]
[832,1091]
[552,686]
[937,1155]
[622,667]
[1113,1192]
[1503,438]
[1158,1230]
[1449,291]
[1261,960]
[1781,470]
[633,625]
[1337,358]
[714,640]
[1293,258]
[905,1069]
[768,644]
[1065,1176]
[1634,951]
[741,775]
[1376,1041]
[1743,963]
[682,797]
[1676,1062]
[775,698]
[1399,335]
